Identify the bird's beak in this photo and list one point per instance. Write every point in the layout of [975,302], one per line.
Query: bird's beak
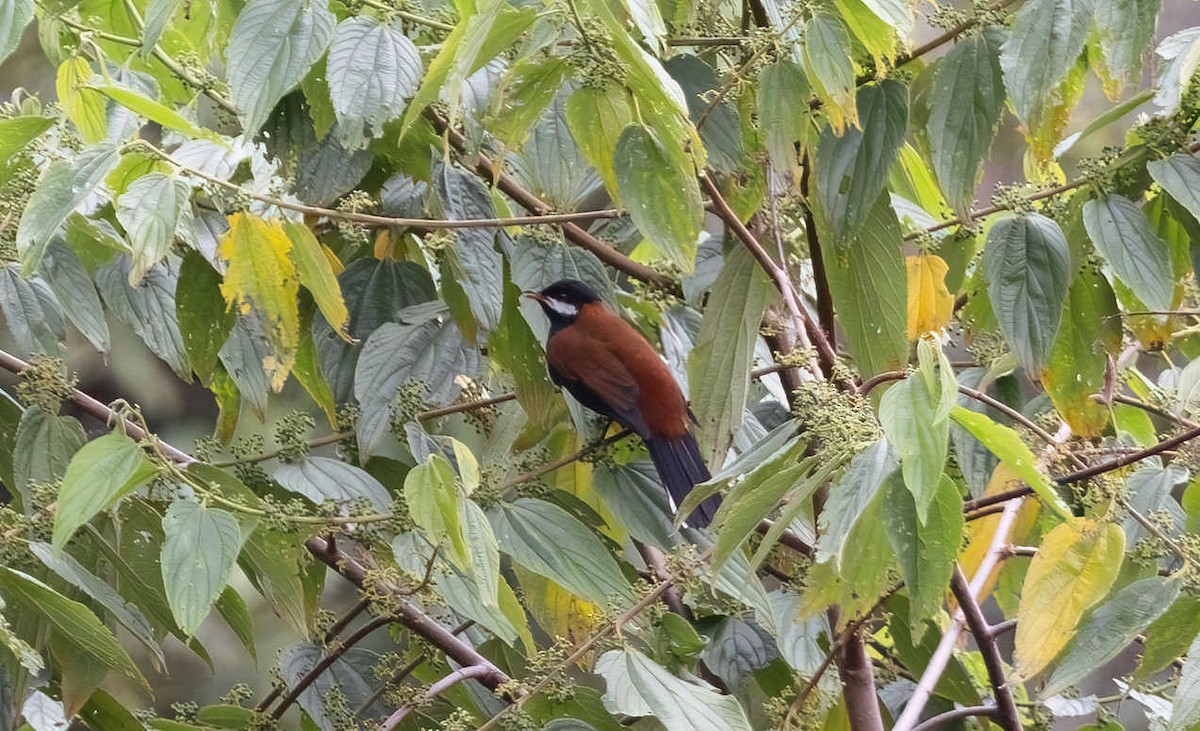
[536,296]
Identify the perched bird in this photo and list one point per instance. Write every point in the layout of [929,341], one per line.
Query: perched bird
[610,368]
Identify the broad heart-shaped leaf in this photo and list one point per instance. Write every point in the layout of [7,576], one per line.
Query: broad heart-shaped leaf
[324,478]
[868,284]
[61,188]
[549,541]
[826,51]
[1112,627]
[201,547]
[262,277]
[926,550]
[101,473]
[851,169]
[1075,369]
[347,678]
[1043,44]
[44,445]
[634,496]
[73,621]
[149,308]
[76,292]
[372,69]
[204,319]
[31,312]
[1006,444]
[464,196]
[435,503]
[1122,234]
[376,291]
[1179,175]
[17,132]
[638,686]
[719,363]
[1076,564]
[314,265]
[659,189]
[966,100]
[149,210]
[14,17]
[849,497]
[1126,31]
[424,347]
[1185,711]
[1028,267]
[272,45]
[596,116]
[125,612]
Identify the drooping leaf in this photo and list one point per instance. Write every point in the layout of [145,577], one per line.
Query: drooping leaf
[101,473]
[272,45]
[660,191]
[261,277]
[1046,38]
[1179,175]
[204,319]
[149,210]
[1185,711]
[849,497]
[464,196]
[926,549]
[1073,570]
[783,87]
[435,504]
[324,478]
[73,288]
[346,680]
[14,17]
[315,268]
[201,546]
[930,303]
[1122,234]
[827,60]
[44,445]
[596,117]
[721,132]
[85,106]
[1028,266]
[149,308]
[637,686]
[1126,31]
[31,313]
[372,69]
[17,132]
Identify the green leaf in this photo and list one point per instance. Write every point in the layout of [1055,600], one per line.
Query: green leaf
[323,478]
[72,620]
[661,193]
[722,130]
[157,17]
[966,99]
[596,117]
[274,563]
[1028,267]
[435,503]
[634,496]
[73,288]
[551,542]
[827,60]
[464,196]
[149,309]
[155,111]
[237,615]
[754,497]
[926,550]
[1185,711]
[637,686]
[1078,362]
[101,473]
[719,363]
[127,613]
[104,711]
[1006,444]
[372,69]
[528,88]
[272,45]
[485,553]
[850,496]
[61,188]
[782,89]
[1112,626]
[315,269]
[84,106]
[1126,31]
[1168,637]
[868,282]
[14,17]
[1179,175]
[1074,568]
[1046,38]
[32,314]
[17,132]
[204,319]
[1123,236]
[150,211]
[201,547]
[851,169]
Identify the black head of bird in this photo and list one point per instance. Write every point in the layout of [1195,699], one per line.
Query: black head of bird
[610,368]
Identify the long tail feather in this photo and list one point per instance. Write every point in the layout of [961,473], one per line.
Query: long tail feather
[681,468]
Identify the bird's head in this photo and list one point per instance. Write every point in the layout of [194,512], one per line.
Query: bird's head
[563,300]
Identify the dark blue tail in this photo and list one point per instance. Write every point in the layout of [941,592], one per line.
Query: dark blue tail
[680,466]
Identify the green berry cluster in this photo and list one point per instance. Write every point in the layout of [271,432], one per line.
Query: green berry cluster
[46,383]
[292,433]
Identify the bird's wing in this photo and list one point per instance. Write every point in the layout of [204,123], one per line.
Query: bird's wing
[605,385]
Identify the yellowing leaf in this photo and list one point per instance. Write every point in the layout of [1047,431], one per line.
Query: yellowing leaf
[930,304]
[1073,570]
[84,106]
[318,276]
[981,531]
[262,278]
[558,611]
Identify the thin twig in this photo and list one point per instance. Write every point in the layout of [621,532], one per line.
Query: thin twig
[311,676]
[957,715]
[435,690]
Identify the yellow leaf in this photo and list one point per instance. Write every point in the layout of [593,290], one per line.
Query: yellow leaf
[1073,570]
[262,278]
[558,611]
[86,107]
[318,276]
[981,530]
[930,304]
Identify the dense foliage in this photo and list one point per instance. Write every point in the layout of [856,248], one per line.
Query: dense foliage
[915,406]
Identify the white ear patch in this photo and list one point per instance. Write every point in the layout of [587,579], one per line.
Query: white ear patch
[566,309]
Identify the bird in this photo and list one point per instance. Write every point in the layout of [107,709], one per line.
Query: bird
[611,369]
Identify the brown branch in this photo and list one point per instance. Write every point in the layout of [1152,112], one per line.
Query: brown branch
[956,715]
[311,676]
[1006,710]
[948,36]
[1128,459]
[1152,409]
[820,274]
[858,684]
[435,690]
[992,209]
